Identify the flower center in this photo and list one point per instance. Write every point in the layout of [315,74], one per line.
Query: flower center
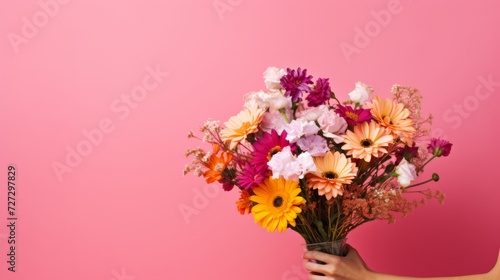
[256,177]
[353,116]
[219,167]
[330,175]
[278,201]
[387,120]
[366,143]
[244,129]
[274,150]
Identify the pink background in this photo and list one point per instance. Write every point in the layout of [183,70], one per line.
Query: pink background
[117,216]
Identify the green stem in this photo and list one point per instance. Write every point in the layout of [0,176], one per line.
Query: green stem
[283,113]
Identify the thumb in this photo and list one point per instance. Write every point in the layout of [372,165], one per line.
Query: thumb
[353,256]
[352,253]
[497,265]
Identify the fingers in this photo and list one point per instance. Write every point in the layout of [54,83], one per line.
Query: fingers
[319,277]
[333,265]
[313,267]
[319,256]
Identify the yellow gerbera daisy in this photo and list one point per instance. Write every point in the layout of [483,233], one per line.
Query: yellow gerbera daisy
[277,203]
[239,126]
[367,140]
[333,171]
[244,204]
[395,117]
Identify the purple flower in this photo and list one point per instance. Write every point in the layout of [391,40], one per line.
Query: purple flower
[353,116]
[314,144]
[251,176]
[439,147]
[320,94]
[406,152]
[296,82]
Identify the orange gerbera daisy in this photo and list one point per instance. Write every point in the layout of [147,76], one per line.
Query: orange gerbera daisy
[244,204]
[395,117]
[367,140]
[333,171]
[216,164]
[238,127]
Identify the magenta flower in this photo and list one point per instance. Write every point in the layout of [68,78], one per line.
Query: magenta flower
[296,82]
[406,152]
[268,145]
[439,147]
[251,176]
[320,94]
[353,116]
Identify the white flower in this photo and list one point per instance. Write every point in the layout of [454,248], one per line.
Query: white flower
[272,77]
[332,125]
[278,101]
[361,93]
[313,113]
[274,120]
[280,161]
[285,164]
[406,173]
[257,97]
[265,100]
[303,165]
[298,128]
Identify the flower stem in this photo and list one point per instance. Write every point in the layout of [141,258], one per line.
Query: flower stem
[422,167]
[283,113]
[421,183]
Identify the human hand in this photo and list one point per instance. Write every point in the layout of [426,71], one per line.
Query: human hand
[350,267]
[495,271]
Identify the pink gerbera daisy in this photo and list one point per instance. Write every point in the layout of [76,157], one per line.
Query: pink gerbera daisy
[268,145]
[251,176]
[354,116]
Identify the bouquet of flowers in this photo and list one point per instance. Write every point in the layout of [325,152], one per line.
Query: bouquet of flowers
[303,160]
